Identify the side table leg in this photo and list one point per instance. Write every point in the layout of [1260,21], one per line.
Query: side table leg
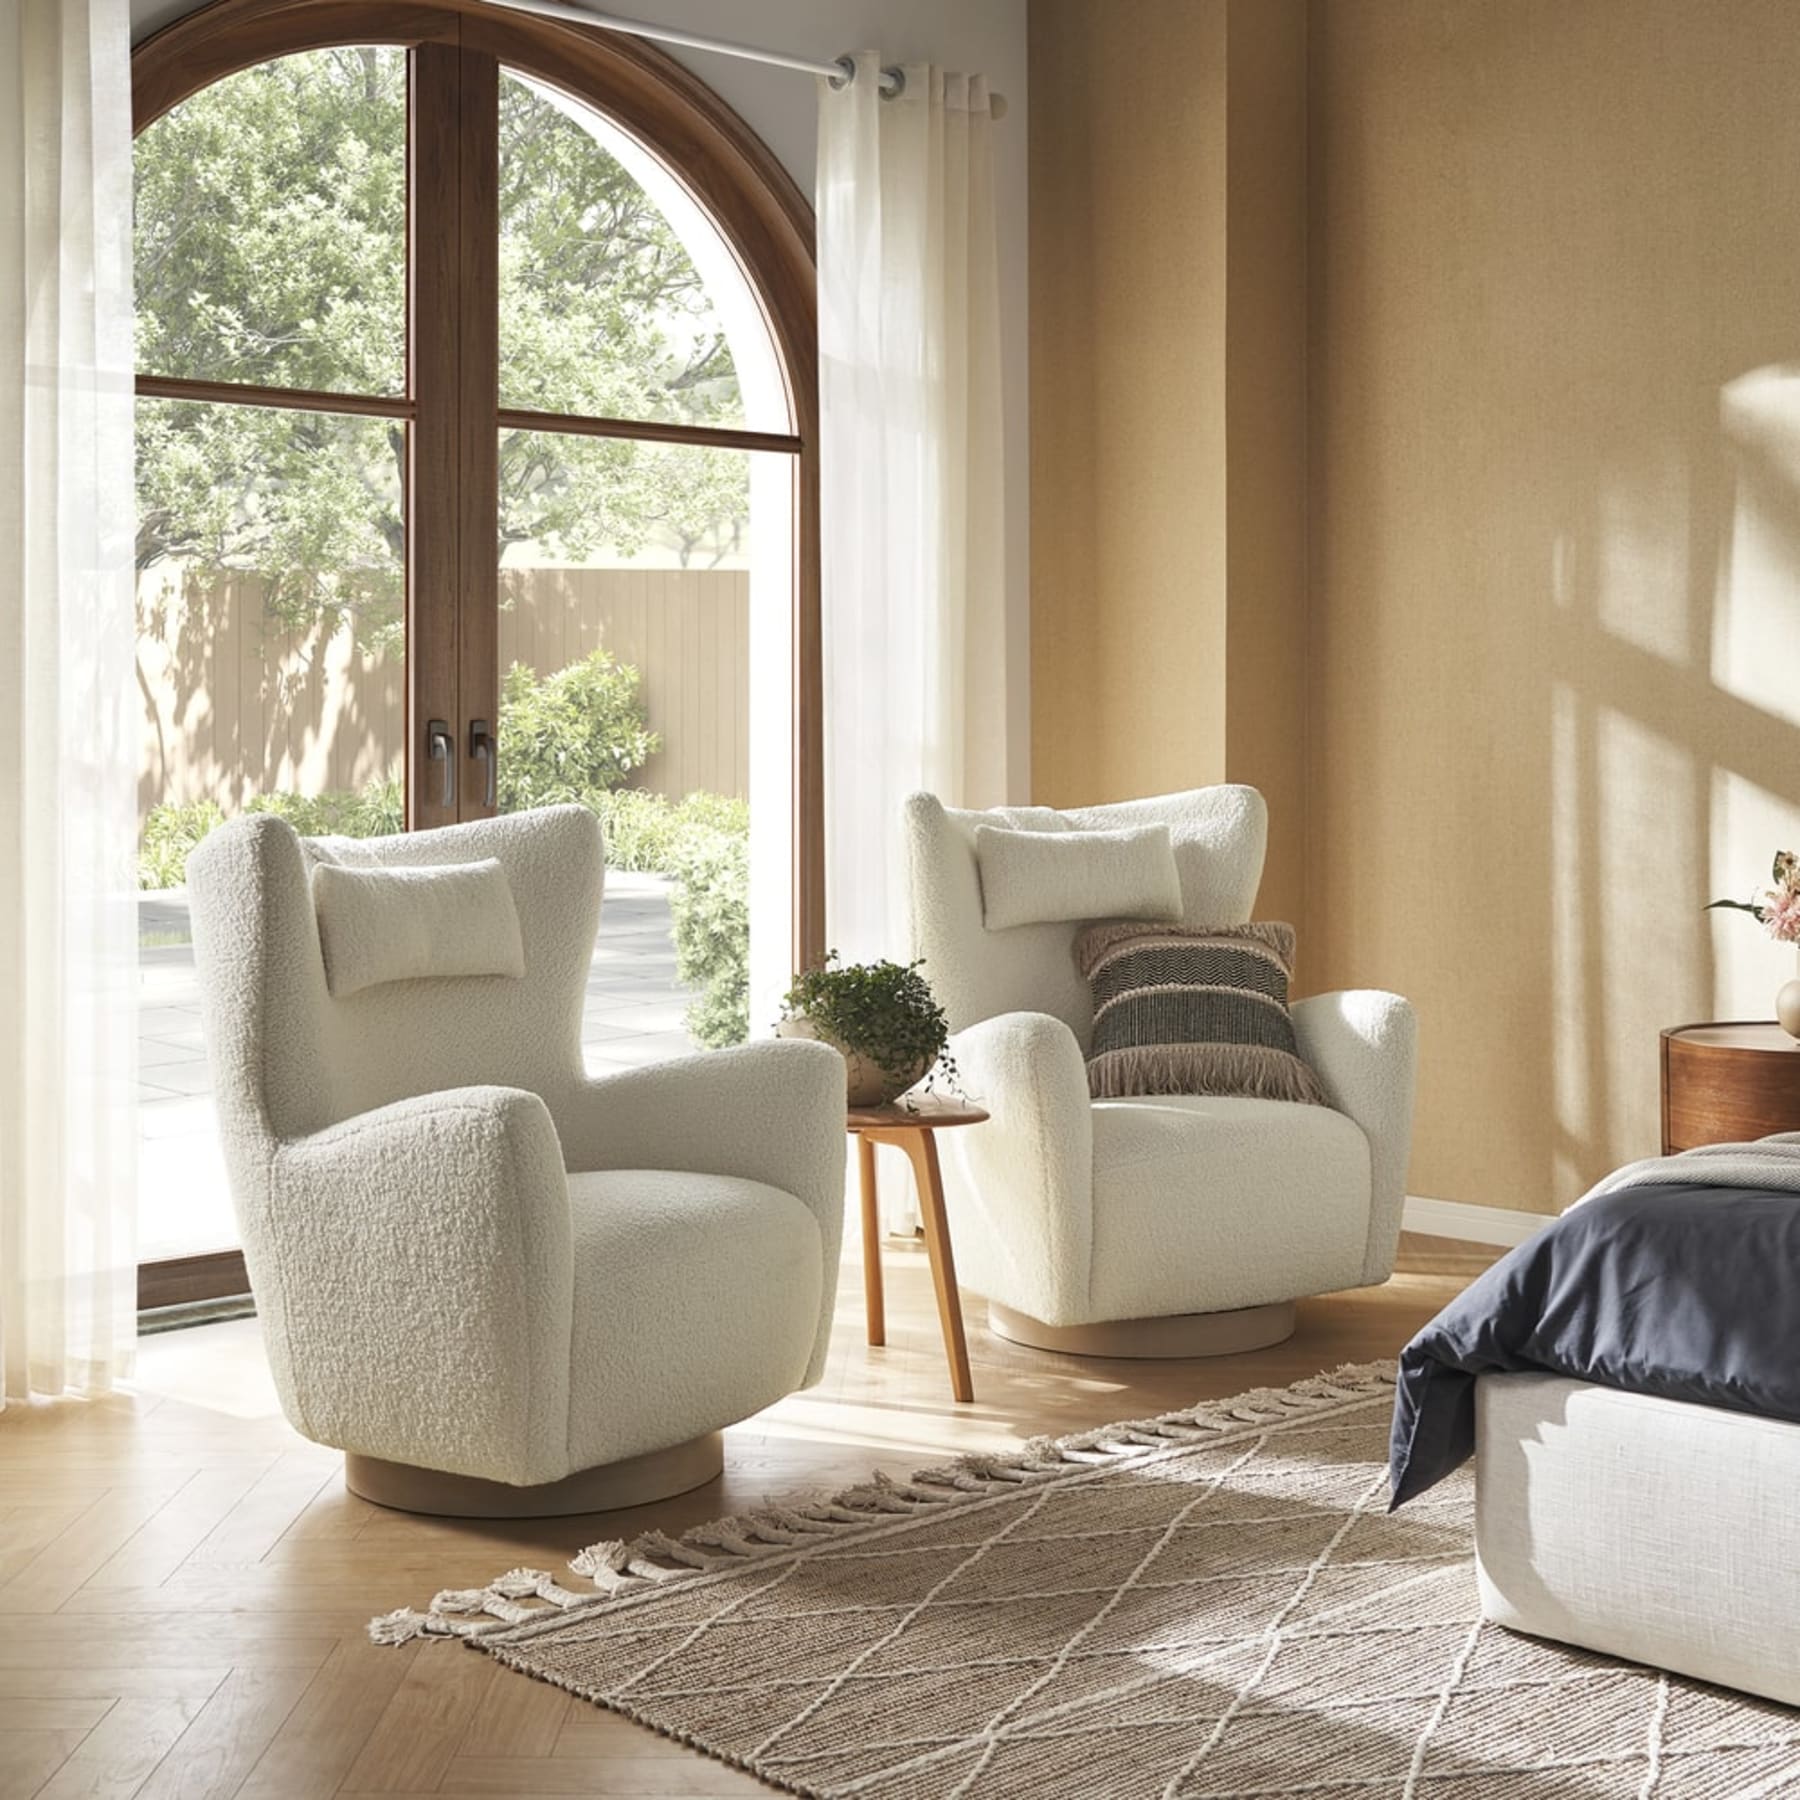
[921,1146]
[874,1306]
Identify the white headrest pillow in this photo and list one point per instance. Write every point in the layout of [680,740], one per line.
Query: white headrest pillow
[1032,877]
[379,925]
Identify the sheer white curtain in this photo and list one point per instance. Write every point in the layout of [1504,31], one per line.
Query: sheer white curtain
[913,558]
[68,804]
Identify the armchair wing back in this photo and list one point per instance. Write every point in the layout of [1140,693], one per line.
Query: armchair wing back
[290,1059]
[1219,835]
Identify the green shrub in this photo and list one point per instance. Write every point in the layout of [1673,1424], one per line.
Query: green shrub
[720,812]
[644,831]
[710,912]
[169,833]
[572,735]
[639,828]
[378,810]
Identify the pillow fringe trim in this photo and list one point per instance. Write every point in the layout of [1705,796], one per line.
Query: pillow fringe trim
[1242,1071]
[654,1559]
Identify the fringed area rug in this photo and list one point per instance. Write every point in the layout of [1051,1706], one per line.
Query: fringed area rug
[1205,1604]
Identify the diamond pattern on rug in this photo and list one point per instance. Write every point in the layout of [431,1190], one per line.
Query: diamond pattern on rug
[1232,1616]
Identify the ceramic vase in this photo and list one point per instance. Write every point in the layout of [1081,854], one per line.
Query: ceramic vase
[1787,1007]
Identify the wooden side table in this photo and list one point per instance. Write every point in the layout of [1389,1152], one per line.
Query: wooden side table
[914,1129]
[1727,1083]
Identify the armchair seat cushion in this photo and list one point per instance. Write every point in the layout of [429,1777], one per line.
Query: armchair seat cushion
[1206,1204]
[696,1299]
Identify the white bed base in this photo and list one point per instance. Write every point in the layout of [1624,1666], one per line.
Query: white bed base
[1652,1530]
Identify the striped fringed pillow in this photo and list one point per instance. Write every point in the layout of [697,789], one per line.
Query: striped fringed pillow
[1193,1012]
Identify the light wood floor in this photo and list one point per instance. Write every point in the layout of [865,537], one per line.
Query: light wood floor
[184,1583]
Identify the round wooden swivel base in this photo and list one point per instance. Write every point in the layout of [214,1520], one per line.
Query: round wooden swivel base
[1181,1334]
[634,1482]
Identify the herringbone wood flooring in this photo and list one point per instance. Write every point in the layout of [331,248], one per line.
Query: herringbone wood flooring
[184,1583]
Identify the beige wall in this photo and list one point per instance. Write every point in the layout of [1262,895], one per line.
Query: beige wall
[1265,642]
[1168,242]
[1549,685]
[1127,397]
[1556,669]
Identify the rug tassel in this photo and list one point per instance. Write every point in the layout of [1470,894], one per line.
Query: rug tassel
[603,1563]
[523,1596]
[538,1584]
[399,1627]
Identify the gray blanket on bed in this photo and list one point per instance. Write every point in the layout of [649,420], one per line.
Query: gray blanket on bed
[1678,1276]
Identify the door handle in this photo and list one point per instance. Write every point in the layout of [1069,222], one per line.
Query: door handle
[485,748]
[440,746]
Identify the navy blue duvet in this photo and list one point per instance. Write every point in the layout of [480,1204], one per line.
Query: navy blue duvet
[1684,1291]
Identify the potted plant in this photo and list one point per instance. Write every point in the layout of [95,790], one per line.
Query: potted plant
[1777,909]
[881,1017]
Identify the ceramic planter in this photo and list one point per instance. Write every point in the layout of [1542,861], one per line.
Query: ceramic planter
[866,1083]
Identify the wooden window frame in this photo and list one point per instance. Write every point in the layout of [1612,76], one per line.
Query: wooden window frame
[751,200]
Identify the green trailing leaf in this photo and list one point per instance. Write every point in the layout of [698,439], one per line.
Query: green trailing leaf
[1748,906]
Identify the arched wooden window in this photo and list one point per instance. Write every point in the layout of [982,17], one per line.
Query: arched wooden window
[429,408]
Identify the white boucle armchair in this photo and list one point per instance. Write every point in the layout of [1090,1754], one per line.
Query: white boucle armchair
[1149,1227]
[502,1288]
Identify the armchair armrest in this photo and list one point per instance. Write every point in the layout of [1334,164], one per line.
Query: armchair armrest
[1027,1175]
[1364,1046]
[770,1112]
[416,1275]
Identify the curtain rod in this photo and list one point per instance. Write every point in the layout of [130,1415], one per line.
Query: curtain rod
[837,72]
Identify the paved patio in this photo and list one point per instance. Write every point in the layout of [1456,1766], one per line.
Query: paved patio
[633,1016]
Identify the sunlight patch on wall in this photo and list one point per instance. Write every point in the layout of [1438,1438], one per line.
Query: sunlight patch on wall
[1647,931]
[1627,938]
[1756,619]
[1571,943]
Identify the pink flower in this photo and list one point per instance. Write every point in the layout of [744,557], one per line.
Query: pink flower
[1781,914]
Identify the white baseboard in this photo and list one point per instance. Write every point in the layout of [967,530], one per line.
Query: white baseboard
[1473,1224]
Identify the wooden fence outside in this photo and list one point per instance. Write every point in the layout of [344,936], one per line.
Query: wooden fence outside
[236,705]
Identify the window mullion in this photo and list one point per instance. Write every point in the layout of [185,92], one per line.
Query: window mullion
[433,518]
[478,400]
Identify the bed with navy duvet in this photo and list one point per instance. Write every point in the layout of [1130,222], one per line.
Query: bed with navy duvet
[1629,1384]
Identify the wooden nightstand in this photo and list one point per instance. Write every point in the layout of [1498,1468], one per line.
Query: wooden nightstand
[1727,1083]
